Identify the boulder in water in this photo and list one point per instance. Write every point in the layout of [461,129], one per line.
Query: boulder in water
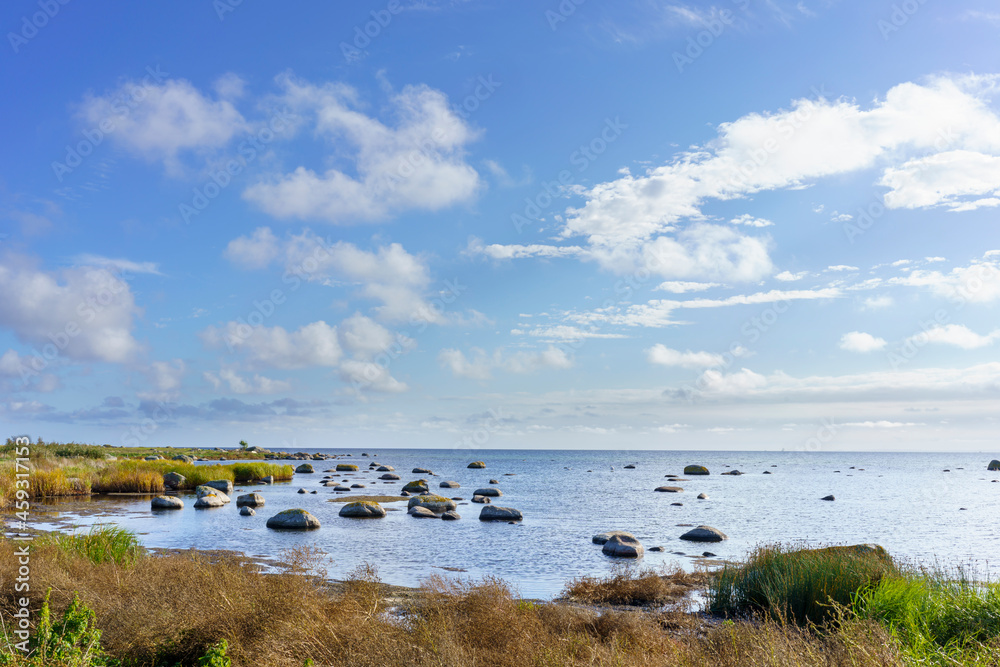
[363,509]
[496,513]
[704,534]
[250,500]
[294,519]
[994,465]
[432,502]
[223,485]
[416,486]
[623,545]
[174,480]
[695,470]
[305,468]
[669,489]
[346,467]
[167,503]
[488,491]
[476,464]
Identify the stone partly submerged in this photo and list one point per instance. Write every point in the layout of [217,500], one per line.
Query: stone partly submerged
[167,503]
[451,515]
[704,534]
[496,513]
[702,496]
[209,500]
[363,509]
[602,538]
[422,471]
[432,502]
[450,485]
[829,497]
[482,500]
[489,492]
[205,490]
[416,486]
[385,469]
[346,467]
[476,464]
[669,489]
[223,485]
[994,465]
[268,480]
[305,468]
[389,476]
[250,500]
[422,513]
[294,519]
[695,470]
[623,545]
[247,511]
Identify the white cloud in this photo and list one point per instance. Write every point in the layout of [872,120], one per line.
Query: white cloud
[517,251]
[664,356]
[882,423]
[857,341]
[957,335]
[158,121]
[123,266]
[563,332]
[959,180]
[166,376]
[370,375]
[315,344]
[238,384]
[83,313]
[788,276]
[841,267]
[978,282]
[254,252]
[750,221]
[877,302]
[681,286]
[417,164]
[365,339]
[481,365]
[716,382]
[390,275]
[812,139]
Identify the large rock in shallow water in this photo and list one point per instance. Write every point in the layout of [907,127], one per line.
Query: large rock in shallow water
[422,513]
[209,500]
[704,534]
[223,485]
[422,471]
[247,511]
[363,509]
[994,465]
[205,490]
[174,480]
[389,476]
[296,519]
[450,485]
[432,502]
[489,492]
[385,469]
[167,503]
[305,468]
[695,470]
[346,467]
[451,515]
[623,545]
[416,486]
[602,538]
[669,489]
[495,513]
[250,500]
[477,464]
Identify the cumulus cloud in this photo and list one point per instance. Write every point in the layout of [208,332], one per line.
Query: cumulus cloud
[398,281]
[159,121]
[857,341]
[166,376]
[978,282]
[958,180]
[83,313]
[416,163]
[235,383]
[315,344]
[682,286]
[481,365]
[957,335]
[665,356]
[788,276]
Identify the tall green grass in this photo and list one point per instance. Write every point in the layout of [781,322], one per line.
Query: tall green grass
[799,585]
[128,477]
[938,619]
[103,543]
[235,472]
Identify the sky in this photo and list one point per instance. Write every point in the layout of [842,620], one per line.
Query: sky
[753,224]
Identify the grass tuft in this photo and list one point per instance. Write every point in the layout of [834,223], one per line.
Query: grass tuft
[631,585]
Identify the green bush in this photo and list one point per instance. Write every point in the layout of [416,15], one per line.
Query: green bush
[104,543]
[798,585]
[70,642]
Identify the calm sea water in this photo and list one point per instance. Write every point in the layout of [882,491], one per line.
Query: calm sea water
[904,502]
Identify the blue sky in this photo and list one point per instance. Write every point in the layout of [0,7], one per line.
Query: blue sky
[741,225]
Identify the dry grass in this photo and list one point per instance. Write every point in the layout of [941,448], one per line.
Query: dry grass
[165,610]
[632,585]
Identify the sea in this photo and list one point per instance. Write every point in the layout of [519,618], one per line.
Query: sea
[937,510]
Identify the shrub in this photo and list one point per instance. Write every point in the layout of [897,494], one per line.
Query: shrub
[798,584]
[104,543]
[634,586]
